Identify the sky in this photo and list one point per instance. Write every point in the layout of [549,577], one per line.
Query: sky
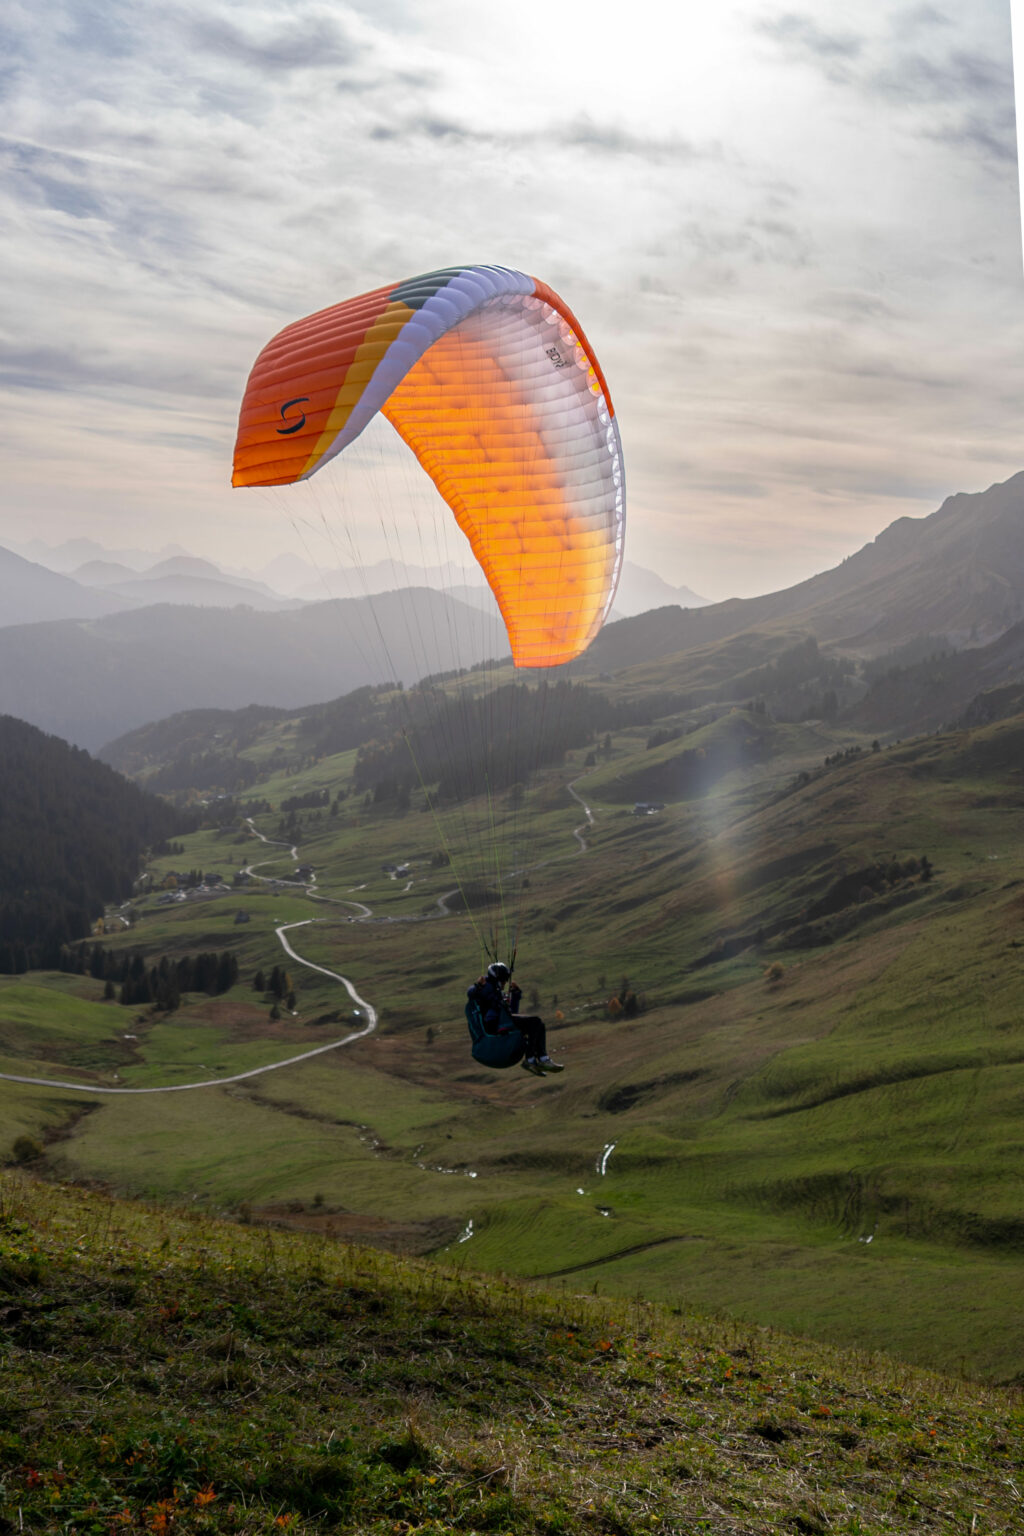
[791,233]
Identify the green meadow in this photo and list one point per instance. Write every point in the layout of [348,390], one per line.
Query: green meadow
[806,1115]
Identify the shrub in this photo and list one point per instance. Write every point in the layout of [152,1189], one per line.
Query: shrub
[26,1149]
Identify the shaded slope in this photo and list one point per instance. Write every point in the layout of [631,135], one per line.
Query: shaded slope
[958,572]
[72,836]
[982,684]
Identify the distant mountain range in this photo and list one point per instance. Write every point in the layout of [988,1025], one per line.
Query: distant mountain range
[181,579]
[29,594]
[638,589]
[957,576]
[32,593]
[67,557]
[91,681]
[81,579]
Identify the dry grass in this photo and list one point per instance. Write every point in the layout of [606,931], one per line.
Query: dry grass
[162,1373]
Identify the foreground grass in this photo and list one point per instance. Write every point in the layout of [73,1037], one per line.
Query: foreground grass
[167,1373]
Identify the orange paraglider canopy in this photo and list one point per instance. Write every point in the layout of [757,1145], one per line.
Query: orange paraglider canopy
[488,377]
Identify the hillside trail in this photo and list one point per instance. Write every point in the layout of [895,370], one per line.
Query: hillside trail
[289,1061]
[236,1077]
[584,826]
[309,886]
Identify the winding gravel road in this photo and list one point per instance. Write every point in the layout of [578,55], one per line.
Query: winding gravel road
[236,1077]
[289,1061]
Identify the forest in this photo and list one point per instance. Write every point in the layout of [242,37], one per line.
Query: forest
[72,836]
[468,746]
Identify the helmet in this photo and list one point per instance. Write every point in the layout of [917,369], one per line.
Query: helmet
[499,972]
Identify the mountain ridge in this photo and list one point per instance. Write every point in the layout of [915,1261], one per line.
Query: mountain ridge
[959,571]
[957,574]
[31,593]
[90,682]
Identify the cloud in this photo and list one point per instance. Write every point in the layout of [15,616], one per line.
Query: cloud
[600,140]
[788,289]
[55,181]
[307,40]
[989,141]
[914,78]
[609,140]
[800,38]
[919,18]
[69,368]
[430,126]
[917,66]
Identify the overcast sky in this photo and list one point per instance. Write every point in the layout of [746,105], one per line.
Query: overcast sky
[791,233]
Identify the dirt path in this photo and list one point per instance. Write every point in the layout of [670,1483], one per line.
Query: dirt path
[310,888]
[236,1077]
[584,826]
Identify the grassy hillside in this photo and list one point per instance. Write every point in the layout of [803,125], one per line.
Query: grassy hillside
[812,1112]
[164,1372]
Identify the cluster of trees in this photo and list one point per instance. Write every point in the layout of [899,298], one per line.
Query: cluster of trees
[278,982]
[72,838]
[864,884]
[207,739]
[466,746]
[134,983]
[211,770]
[605,750]
[279,986]
[848,755]
[349,721]
[797,665]
[801,683]
[626,1003]
[924,648]
[307,802]
[662,737]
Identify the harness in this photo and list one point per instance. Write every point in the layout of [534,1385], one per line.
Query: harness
[493,1050]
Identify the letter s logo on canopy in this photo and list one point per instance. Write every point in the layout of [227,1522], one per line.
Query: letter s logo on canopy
[295,426]
[527,456]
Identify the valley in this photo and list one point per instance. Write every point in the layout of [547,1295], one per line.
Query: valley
[788,1004]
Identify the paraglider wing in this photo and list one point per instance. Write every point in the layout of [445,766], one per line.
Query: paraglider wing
[490,380]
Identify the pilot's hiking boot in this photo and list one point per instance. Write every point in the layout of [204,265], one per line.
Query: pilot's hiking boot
[547,1065]
[531,1064]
